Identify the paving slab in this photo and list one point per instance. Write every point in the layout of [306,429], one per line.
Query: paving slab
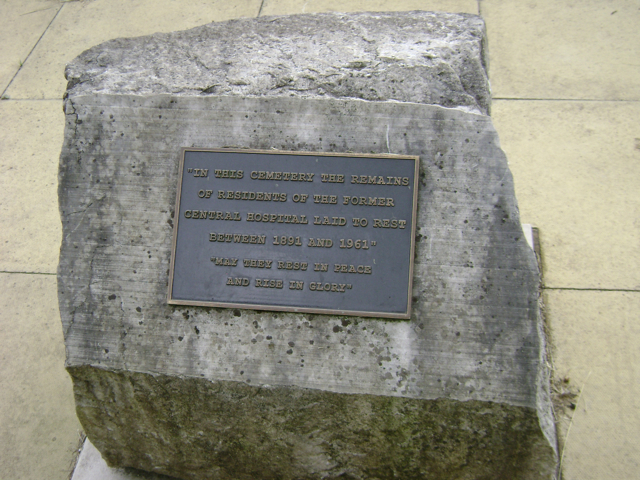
[577,174]
[596,337]
[39,431]
[568,50]
[91,466]
[81,25]
[286,7]
[30,141]
[21,25]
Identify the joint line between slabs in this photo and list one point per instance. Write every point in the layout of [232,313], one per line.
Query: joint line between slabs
[30,52]
[578,289]
[35,11]
[27,273]
[260,11]
[560,99]
[32,99]
[479,2]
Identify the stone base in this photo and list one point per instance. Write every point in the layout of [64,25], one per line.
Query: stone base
[199,429]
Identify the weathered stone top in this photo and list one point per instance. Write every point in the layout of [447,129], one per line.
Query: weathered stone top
[420,57]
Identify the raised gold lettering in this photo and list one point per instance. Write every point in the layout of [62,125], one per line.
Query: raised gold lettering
[224,262]
[250,196]
[268,283]
[389,223]
[379,180]
[368,201]
[328,287]
[219,173]
[284,176]
[320,242]
[237,238]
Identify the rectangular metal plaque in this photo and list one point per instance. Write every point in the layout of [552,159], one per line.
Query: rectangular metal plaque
[295,231]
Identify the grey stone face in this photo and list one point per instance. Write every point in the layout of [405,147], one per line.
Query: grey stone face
[458,391]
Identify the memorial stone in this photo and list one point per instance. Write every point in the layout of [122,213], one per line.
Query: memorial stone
[250,388]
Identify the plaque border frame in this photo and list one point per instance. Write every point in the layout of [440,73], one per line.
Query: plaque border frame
[281,308]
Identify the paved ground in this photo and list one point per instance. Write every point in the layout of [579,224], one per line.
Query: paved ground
[566,86]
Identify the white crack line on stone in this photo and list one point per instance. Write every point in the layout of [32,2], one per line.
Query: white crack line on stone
[506,170]
[388,149]
[123,339]
[84,212]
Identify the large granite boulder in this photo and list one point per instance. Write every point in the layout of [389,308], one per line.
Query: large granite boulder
[458,391]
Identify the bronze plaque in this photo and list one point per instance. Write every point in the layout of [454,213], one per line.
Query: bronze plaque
[295,231]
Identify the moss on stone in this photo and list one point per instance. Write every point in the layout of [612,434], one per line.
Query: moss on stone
[231,430]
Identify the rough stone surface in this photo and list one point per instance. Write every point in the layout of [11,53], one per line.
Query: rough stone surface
[274,432]
[423,57]
[459,391]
